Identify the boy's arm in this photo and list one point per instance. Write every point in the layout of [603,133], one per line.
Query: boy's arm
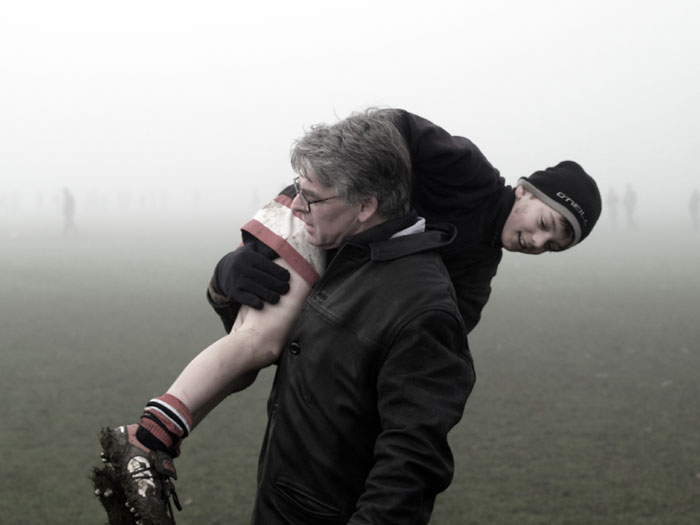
[450,173]
[453,182]
[472,284]
[471,299]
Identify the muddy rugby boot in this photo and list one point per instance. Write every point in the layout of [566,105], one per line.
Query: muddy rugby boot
[144,476]
[112,496]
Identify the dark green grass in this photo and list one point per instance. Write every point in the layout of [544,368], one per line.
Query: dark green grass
[585,409]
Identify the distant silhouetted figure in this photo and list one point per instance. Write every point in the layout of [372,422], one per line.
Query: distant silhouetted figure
[611,202]
[694,204]
[629,201]
[68,212]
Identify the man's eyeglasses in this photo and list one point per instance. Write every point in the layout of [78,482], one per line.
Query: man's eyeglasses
[306,201]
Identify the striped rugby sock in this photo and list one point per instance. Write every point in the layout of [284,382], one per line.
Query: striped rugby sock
[165,422]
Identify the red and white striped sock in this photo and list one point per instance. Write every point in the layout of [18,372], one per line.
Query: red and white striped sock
[165,422]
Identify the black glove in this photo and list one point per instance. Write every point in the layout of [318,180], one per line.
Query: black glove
[248,275]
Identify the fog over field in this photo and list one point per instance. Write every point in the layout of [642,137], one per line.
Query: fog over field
[584,411]
[168,109]
[170,123]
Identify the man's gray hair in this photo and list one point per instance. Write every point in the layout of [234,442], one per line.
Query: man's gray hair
[359,157]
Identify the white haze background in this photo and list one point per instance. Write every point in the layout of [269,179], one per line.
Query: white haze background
[170,111]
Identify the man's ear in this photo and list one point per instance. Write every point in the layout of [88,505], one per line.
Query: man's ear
[368,209]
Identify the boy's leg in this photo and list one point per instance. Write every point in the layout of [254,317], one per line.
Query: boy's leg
[136,453]
[232,363]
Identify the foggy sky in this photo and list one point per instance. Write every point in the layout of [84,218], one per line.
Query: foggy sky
[155,97]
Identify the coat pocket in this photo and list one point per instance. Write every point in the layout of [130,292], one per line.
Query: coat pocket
[307,506]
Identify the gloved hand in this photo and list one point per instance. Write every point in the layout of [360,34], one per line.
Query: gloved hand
[248,275]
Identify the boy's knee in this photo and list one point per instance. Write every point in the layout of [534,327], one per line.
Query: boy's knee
[263,347]
[270,352]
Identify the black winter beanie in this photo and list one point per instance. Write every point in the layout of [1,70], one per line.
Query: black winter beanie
[570,191]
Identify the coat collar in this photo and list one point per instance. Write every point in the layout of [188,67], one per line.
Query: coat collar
[383,248]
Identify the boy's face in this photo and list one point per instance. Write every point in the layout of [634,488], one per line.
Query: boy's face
[533,227]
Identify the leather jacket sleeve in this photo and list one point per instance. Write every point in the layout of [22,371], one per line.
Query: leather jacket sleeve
[226,309]
[422,389]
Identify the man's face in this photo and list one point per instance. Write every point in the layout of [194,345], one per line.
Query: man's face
[533,227]
[327,222]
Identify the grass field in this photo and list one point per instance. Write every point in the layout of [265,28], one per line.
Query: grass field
[586,408]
